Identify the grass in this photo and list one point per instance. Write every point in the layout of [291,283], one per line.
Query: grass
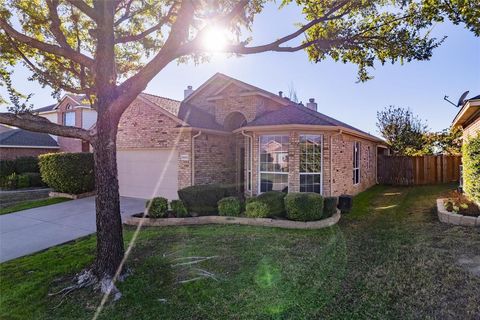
[24,205]
[389,258]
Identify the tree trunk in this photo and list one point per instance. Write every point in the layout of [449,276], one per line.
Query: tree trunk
[110,250]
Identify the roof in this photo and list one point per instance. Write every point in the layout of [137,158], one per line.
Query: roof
[295,114]
[167,104]
[198,118]
[468,112]
[44,109]
[80,100]
[24,138]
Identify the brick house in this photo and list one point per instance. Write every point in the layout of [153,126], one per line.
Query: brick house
[231,132]
[15,143]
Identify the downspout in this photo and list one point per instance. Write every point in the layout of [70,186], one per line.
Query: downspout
[193,157]
[331,159]
[251,160]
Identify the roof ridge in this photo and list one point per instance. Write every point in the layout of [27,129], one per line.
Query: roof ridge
[154,95]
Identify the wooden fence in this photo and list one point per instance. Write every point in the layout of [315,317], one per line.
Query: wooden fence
[396,170]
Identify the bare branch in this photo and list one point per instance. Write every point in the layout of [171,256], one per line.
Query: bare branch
[85,8]
[46,47]
[36,123]
[55,25]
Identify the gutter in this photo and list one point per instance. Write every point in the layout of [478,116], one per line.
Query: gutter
[192,151]
[251,160]
[340,132]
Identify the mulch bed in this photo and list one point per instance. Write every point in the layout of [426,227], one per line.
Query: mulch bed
[460,204]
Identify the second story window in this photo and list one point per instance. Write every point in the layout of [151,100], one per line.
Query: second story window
[69,118]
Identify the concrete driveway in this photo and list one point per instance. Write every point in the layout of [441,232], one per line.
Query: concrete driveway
[29,231]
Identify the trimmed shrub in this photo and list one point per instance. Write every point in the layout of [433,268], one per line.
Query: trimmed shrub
[7,167]
[23,181]
[179,208]
[34,179]
[26,164]
[68,172]
[471,167]
[229,206]
[10,181]
[329,206]
[304,206]
[257,209]
[275,202]
[203,199]
[158,207]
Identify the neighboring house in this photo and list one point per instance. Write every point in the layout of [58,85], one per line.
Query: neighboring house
[71,110]
[16,143]
[468,118]
[230,132]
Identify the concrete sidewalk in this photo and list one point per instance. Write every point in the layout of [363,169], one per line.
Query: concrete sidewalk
[29,231]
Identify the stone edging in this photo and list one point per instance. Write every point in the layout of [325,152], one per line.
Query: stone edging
[263,222]
[454,218]
[71,196]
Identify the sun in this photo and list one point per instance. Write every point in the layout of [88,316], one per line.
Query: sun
[215,39]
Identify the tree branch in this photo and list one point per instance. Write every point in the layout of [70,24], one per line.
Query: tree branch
[85,8]
[36,123]
[55,25]
[50,48]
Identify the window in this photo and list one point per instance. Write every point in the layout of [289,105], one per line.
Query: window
[273,162]
[369,159]
[69,118]
[249,163]
[311,163]
[356,162]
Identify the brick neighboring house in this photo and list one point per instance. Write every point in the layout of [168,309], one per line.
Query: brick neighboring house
[468,118]
[230,132]
[15,143]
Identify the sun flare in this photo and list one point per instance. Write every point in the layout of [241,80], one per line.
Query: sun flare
[215,39]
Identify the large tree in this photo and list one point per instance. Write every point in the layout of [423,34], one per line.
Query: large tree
[110,50]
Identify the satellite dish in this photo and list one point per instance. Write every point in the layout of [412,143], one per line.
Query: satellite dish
[462,99]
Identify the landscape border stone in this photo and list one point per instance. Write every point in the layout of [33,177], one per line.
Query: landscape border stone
[263,222]
[70,195]
[454,218]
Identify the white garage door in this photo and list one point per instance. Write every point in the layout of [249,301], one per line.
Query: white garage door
[148,173]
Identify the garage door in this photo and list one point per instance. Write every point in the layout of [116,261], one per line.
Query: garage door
[148,173]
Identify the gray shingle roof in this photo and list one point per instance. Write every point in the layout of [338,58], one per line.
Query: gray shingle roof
[43,109]
[20,137]
[198,118]
[297,114]
[167,104]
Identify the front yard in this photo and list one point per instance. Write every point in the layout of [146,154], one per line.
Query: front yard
[388,258]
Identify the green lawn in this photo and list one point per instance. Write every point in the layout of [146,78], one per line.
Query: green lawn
[24,205]
[388,259]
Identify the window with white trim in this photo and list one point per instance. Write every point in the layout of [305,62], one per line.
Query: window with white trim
[69,118]
[356,162]
[311,163]
[273,162]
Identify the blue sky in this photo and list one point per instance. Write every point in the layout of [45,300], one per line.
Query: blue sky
[454,68]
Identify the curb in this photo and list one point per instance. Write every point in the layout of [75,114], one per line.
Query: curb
[71,196]
[262,222]
[454,218]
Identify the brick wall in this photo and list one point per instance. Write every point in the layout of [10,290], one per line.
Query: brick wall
[13,153]
[472,130]
[215,159]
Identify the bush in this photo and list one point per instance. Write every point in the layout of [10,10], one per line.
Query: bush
[256,209]
[203,199]
[471,167]
[158,207]
[274,201]
[229,206]
[26,164]
[10,181]
[304,206]
[34,179]
[179,208]
[7,167]
[329,206]
[23,181]
[68,172]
